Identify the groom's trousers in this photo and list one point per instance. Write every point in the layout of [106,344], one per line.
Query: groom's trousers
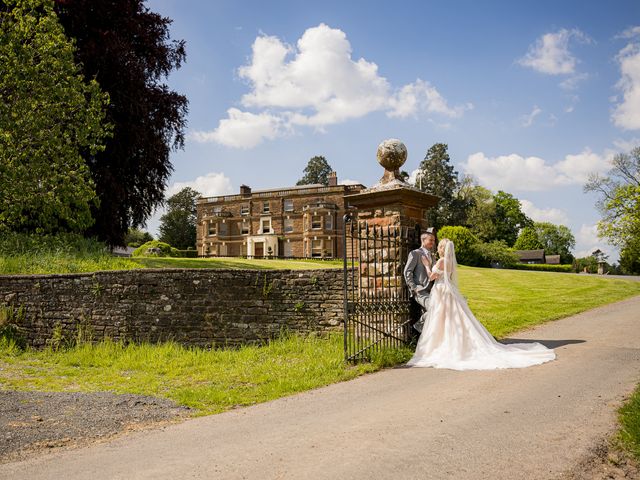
[423,301]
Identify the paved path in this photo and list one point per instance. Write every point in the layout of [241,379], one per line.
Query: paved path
[403,423]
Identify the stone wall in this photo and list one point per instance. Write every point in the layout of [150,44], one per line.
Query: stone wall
[191,306]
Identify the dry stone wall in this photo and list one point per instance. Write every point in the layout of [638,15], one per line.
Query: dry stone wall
[191,306]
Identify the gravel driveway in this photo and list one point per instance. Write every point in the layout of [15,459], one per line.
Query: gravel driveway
[31,422]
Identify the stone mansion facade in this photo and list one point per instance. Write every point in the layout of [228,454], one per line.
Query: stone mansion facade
[300,221]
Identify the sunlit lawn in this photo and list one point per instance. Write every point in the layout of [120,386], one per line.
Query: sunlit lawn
[214,381]
[508,300]
[234,262]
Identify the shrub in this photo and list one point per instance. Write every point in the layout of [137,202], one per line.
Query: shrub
[543,267]
[495,254]
[160,249]
[465,244]
[188,253]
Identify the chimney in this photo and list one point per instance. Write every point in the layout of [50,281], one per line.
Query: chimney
[333,179]
[245,190]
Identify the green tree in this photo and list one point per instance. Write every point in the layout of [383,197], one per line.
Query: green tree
[128,49]
[509,217]
[316,171]
[136,237]
[464,241]
[619,203]
[556,240]
[48,116]
[178,225]
[630,257]
[528,240]
[437,176]
[481,217]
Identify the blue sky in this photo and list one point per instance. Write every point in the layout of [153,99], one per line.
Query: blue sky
[529,96]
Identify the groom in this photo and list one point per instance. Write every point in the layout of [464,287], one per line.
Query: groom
[417,271]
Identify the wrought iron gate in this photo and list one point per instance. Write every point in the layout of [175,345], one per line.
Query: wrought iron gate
[377,308]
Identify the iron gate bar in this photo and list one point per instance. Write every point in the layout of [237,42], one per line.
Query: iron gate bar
[377,310]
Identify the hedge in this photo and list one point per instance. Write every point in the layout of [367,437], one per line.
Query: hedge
[542,267]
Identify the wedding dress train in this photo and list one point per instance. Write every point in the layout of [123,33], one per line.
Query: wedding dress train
[453,338]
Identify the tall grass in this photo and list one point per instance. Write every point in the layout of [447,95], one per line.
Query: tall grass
[61,253]
[629,417]
[209,381]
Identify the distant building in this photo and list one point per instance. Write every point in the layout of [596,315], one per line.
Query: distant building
[300,221]
[537,256]
[552,259]
[531,256]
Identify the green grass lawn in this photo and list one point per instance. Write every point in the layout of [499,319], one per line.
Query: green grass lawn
[509,300]
[214,381]
[629,417]
[63,263]
[233,262]
[210,381]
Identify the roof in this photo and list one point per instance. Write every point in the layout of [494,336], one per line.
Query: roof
[553,259]
[530,254]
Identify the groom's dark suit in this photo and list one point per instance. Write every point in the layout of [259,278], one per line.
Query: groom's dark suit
[416,277]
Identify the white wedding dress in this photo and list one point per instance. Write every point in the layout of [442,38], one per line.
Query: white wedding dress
[453,338]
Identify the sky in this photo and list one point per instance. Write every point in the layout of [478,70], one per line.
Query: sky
[530,97]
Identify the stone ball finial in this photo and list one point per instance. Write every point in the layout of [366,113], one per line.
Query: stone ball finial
[392,154]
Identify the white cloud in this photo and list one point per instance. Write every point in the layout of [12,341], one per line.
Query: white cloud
[626,145]
[587,241]
[517,173]
[348,181]
[553,215]
[572,82]
[550,53]
[243,129]
[527,120]
[210,185]
[626,114]
[316,83]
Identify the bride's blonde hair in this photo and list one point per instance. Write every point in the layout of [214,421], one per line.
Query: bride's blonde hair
[441,245]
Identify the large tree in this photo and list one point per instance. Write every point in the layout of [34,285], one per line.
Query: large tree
[619,203]
[528,240]
[556,240]
[437,176]
[509,217]
[481,216]
[316,171]
[178,225]
[48,114]
[128,49]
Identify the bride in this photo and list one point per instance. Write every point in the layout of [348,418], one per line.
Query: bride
[453,338]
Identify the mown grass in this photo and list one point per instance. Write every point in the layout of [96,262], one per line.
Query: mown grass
[509,300]
[63,262]
[210,381]
[237,263]
[629,418]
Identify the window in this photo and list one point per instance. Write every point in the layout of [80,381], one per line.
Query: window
[329,222]
[223,229]
[244,210]
[316,248]
[288,205]
[288,225]
[265,207]
[213,228]
[244,228]
[265,225]
[316,222]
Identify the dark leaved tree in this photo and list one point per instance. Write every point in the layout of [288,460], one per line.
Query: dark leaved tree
[437,176]
[178,225]
[128,50]
[316,171]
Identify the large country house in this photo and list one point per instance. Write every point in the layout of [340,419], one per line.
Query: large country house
[300,221]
